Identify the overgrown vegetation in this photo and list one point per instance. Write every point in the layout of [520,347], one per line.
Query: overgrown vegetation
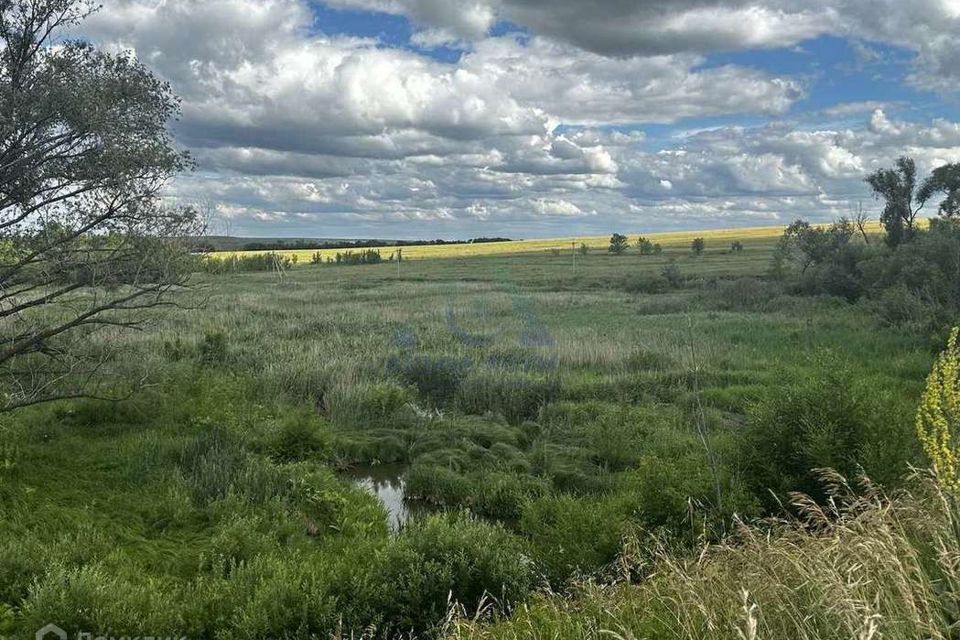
[857,564]
[534,436]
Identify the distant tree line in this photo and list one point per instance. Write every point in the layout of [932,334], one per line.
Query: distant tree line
[308,245]
[349,258]
[239,263]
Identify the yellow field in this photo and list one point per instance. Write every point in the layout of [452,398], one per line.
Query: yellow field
[671,239]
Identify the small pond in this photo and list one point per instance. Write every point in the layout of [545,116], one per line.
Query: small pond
[385,481]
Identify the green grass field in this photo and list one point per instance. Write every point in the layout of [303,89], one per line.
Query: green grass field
[541,415]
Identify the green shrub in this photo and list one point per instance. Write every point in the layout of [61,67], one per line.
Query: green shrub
[291,597]
[25,559]
[502,495]
[824,419]
[438,485]
[444,558]
[377,447]
[571,536]
[298,435]
[246,262]
[350,258]
[100,601]
[619,244]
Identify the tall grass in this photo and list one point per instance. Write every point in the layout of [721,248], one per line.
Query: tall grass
[863,567]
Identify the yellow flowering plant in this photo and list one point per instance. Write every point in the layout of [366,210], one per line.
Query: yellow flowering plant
[938,418]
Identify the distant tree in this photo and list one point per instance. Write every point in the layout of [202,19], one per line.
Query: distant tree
[583,249]
[814,245]
[897,188]
[945,180]
[860,219]
[645,246]
[736,246]
[657,249]
[698,245]
[87,243]
[618,244]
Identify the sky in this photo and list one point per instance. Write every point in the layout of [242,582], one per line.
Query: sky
[542,118]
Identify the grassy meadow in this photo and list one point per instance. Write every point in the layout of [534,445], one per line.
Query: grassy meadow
[554,425]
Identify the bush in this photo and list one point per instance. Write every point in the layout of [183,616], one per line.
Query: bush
[298,435]
[503,495]
[279,597]
[571,536]
[98,600]
[450,557]
[913,284]
[823,420]
[438,485]
[646,246]
[237,542]
[614,435]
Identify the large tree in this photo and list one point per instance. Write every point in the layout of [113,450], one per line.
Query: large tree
[86,243]
[897,188]
[944,180]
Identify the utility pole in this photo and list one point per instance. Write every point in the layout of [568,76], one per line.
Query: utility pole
[573,247]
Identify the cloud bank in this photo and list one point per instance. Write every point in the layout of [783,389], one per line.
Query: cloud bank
[551,117]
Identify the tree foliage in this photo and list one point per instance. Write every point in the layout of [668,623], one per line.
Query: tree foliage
[618,244]
[85,242]
[646,246]
[944,180]
[897,188]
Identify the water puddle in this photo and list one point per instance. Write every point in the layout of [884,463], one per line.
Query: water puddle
[386,483]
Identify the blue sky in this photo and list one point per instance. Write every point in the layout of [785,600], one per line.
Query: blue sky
[459,118]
